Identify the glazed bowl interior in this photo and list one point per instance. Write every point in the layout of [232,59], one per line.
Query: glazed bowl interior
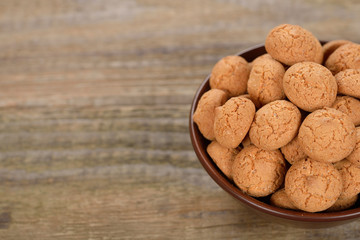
[261,205]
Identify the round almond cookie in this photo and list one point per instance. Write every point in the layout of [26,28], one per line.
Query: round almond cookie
[258,172]
[345,57]
[231,73]
[246,141]
[280,199]
[265,81]
[223,157]
[205,112]
[327,135]
[331,46]
[232,121]
[349,106]
[261,57]
[293,151]
[348,82]
[313,186]
[275,125]
[343,203]
[310,86]
[291,44]
[350,177]
[245,96]
[354,157]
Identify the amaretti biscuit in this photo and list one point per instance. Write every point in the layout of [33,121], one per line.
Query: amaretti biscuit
[345,57]
[293,151]
[343,203]
[258,172]
[292,44]
[350,175]
[348,82]
[313,186]
[349,106]
[246,141]
[223,157]
[265,81]
[354,157]
[233,120]
[331,46]
[285,105]
[310,86]
[231,73]
[262,57]
[327,135]
[275,125]
[245,96]
[280,199]
[205,112]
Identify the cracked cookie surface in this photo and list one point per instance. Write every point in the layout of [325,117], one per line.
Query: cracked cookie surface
[331,46]
[280,199]
[265,81]
[313,186]
[349,106]
[345,57]
[205,111]
[310,86]
[327,135]
[223,157]
[231,74]
[258,172]
[293,151]
[275,125]
[291,44]
[261,57]
[343,203]
[354,157]
[350,177]
[233,120]
[348,82]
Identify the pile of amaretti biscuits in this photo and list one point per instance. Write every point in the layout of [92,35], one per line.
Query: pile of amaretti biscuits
[297,103]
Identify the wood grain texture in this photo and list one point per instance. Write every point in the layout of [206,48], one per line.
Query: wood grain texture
[94,104]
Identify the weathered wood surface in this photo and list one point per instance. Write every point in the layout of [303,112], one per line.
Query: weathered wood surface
[94,103]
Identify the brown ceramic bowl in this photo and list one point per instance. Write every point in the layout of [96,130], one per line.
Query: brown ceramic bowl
[261,205]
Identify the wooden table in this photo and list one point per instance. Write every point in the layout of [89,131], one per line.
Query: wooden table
[94,104]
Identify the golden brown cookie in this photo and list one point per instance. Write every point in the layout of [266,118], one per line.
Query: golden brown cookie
[348,82]
[275,125]
[245,96]
[258,172]
[350,177]
[205,111]
[280,199]
[223,157]
[343,203]
[265,81]
[354,157]
[261,57]
[327,135]
[293,151]
[345,57]
[330,47]
[310,86]
[233,120]
[231,73]
[349,106]
[246,142]
[291,44]
[313,186]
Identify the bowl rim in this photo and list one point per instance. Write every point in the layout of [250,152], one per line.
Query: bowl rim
[230,188]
